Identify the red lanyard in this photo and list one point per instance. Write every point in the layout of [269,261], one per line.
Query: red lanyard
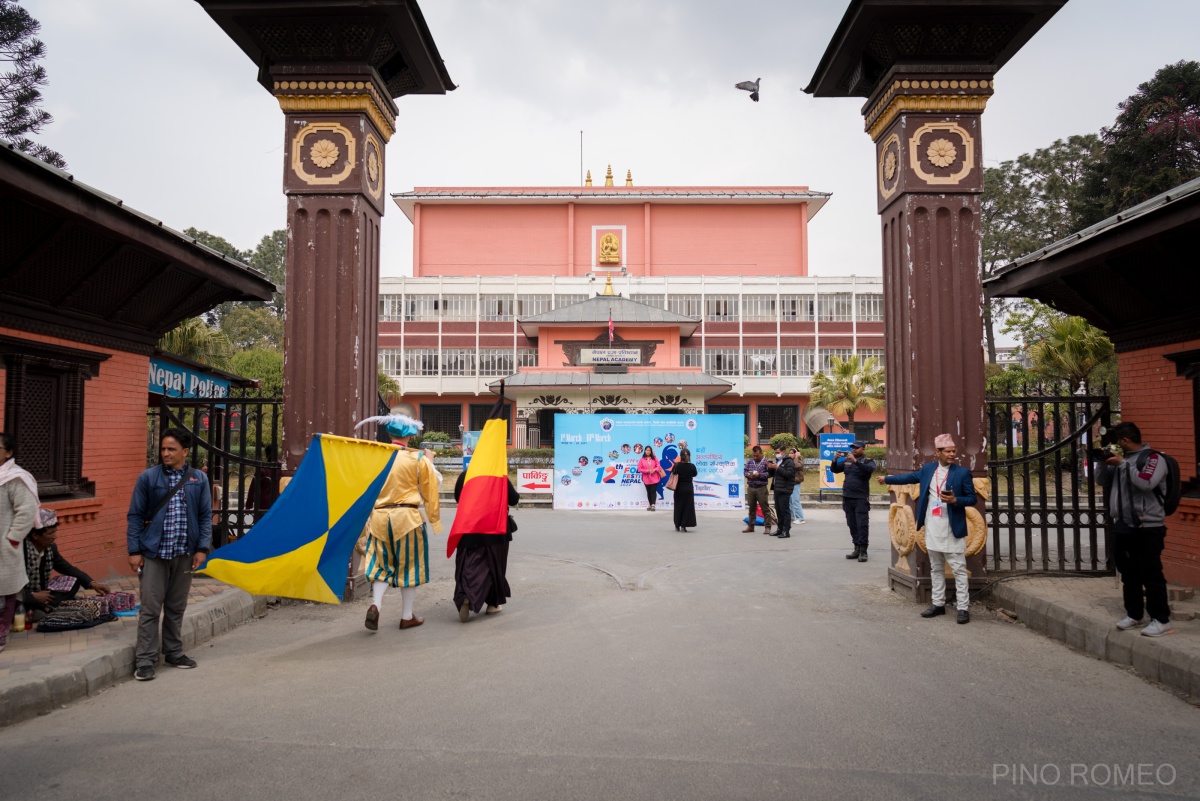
[939,486]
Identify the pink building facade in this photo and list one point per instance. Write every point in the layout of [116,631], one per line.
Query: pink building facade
[712,307]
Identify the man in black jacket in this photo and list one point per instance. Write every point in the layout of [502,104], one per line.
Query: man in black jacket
[856,495]
[42,556]
[784,473]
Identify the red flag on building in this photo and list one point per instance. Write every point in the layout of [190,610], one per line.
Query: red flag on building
[610,326]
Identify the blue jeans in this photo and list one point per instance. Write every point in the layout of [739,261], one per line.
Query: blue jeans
[797,509]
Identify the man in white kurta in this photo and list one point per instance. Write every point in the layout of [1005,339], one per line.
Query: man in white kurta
[943,547]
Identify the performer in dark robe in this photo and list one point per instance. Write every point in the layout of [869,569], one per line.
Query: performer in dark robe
[685,491]
[480,564]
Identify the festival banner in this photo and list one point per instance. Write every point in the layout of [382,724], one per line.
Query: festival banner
[596,458]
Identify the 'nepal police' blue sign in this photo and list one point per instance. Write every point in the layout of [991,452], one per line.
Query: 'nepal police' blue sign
[178,381]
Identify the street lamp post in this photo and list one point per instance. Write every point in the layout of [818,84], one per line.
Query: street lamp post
[759,441]
[832,422]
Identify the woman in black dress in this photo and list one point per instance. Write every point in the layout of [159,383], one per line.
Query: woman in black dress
[685,491]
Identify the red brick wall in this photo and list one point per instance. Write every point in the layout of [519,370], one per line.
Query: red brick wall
[1160,402]
[91,532]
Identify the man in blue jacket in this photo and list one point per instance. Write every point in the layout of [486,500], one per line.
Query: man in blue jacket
[946,491]
[169,534]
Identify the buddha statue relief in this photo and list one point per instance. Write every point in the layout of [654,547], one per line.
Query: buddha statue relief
[610,249]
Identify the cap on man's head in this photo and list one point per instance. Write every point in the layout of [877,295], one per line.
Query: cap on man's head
[943,441]
[46,518]
[858,443]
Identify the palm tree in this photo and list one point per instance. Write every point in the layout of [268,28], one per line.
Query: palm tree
[851,383]
[1071,349]
[196,340]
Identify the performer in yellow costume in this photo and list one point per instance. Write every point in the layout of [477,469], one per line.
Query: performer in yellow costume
[397,551]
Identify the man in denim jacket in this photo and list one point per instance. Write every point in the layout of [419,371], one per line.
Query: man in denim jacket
[166,542]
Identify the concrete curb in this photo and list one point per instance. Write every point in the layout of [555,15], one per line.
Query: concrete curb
[26,696]
[1173,660]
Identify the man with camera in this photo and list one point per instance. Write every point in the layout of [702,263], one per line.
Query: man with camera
[856,494]
[1132,477]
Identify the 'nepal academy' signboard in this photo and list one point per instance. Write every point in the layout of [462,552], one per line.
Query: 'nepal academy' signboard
[596,459]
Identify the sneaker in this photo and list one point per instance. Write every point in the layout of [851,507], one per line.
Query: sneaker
[1156,629]
[144,673]
[464,611]
[494,610]
[1126,623]
[799,522]
[182,661]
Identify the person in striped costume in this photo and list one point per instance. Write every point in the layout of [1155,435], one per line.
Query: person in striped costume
[397,552]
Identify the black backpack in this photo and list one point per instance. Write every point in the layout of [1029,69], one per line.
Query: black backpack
[1171,489]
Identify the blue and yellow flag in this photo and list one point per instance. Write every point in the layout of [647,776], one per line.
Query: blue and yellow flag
[301,547]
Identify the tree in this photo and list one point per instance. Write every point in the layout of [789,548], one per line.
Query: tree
[851,383]
[264,364]
[247,327]
[1071,349]
[270,256]
[196,340]
[20,94]
[1153,146]
[1028,203]
[388,387]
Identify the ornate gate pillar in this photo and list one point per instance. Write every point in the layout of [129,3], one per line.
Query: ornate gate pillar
[335,67]
[926,68]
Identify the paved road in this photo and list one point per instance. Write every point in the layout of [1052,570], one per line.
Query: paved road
[633,662]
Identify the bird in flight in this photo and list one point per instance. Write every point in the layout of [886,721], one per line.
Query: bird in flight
[751,87]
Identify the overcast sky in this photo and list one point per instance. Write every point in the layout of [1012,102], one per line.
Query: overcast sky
[155,105]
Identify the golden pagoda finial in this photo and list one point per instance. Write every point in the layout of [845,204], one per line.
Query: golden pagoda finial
[608,177]
[608,287]
[629,177]
[588,182]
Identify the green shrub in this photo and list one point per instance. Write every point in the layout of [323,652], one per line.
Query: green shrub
[434,436]
[781,442]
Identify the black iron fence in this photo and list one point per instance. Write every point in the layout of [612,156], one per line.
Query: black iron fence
[236,442]
[1045,510]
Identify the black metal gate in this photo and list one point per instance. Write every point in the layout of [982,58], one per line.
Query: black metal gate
[1046,510]
[235,441]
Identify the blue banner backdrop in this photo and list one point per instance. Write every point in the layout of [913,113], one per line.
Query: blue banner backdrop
[596,458]
[831,444]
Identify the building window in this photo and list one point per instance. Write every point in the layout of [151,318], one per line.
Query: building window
[458,361]
[869,308]
[721,361]
[529,305]
[721,308]
[778,420]
[568,300]
[870,353]
[391,308]
[760,308]
[744,411]
[797,308]
[443,417]
[690,357]
[825,358]
[420,361]
[650,300]
[496,361]
[796,361]
[389,361]
[422,308]
[458,307]
[43,410]
[760,361]
[835,307]
[479,416]
[527,357]
[687,305]
[496,308]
